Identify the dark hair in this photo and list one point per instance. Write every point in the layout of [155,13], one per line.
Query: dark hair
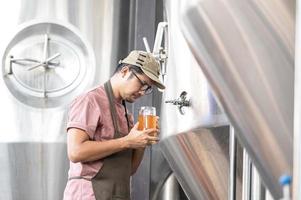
[131,67]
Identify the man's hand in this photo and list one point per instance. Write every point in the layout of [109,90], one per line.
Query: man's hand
[140,139]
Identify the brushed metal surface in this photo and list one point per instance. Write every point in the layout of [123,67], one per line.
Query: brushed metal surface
[53,84]
[184,74]
[32,170]
[185,153]
[246,50]
[200,161]
[33,137]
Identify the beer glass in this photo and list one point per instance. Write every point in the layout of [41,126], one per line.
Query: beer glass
[147,118]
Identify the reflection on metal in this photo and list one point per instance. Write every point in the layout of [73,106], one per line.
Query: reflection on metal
[160,174]
[233,166]
[181,102]
[170,190]
[200,161]
[32,129]
[254,84]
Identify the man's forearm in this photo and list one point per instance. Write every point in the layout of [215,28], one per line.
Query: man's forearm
[95,150]
[137,158]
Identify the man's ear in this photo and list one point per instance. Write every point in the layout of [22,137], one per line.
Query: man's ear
[125,70]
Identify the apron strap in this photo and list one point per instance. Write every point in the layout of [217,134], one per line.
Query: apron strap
[79,177]
[126,115]
[109,91]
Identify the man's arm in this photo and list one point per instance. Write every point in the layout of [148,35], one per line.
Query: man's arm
[81,149]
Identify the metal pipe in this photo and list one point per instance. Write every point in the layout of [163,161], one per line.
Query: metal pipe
[159,36]
[268,195]
[258,190]
[297,107]
[146,44]
[247,174]
[171,189]
[160,185]
[232,151]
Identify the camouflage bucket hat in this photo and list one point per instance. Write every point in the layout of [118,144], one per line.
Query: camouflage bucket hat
[148,64]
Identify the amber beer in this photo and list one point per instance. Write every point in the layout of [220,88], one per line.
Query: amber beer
[140,120]
[147,118]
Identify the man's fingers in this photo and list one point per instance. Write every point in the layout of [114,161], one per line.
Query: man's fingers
[151,130]
[135,127]
[152,138]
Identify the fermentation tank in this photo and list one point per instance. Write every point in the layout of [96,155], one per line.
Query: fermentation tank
[195,137]
[51,51]
[245,50]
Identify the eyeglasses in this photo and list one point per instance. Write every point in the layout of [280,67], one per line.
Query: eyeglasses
[147,89]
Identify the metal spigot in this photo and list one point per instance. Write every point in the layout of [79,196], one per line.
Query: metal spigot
[180,102]
[160,52]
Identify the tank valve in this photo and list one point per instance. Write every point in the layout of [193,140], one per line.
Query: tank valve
[181,102]
[285,182]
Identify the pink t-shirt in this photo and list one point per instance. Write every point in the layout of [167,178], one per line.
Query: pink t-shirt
[91,112]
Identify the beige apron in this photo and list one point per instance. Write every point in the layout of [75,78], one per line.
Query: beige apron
[112,182]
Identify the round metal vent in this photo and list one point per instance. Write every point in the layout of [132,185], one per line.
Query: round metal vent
[47,64]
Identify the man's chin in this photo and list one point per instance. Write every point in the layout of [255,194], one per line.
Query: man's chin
[130,100]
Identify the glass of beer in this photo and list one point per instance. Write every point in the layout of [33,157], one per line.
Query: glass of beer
[147,118]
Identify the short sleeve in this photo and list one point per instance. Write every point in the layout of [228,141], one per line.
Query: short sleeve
[84,115]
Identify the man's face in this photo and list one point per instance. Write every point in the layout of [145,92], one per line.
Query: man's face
[135,86]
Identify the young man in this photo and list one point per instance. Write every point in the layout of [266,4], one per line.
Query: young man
[104,147]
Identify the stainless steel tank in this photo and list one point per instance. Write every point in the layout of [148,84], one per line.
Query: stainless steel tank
[51,51]
[246,50]
[195,141]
